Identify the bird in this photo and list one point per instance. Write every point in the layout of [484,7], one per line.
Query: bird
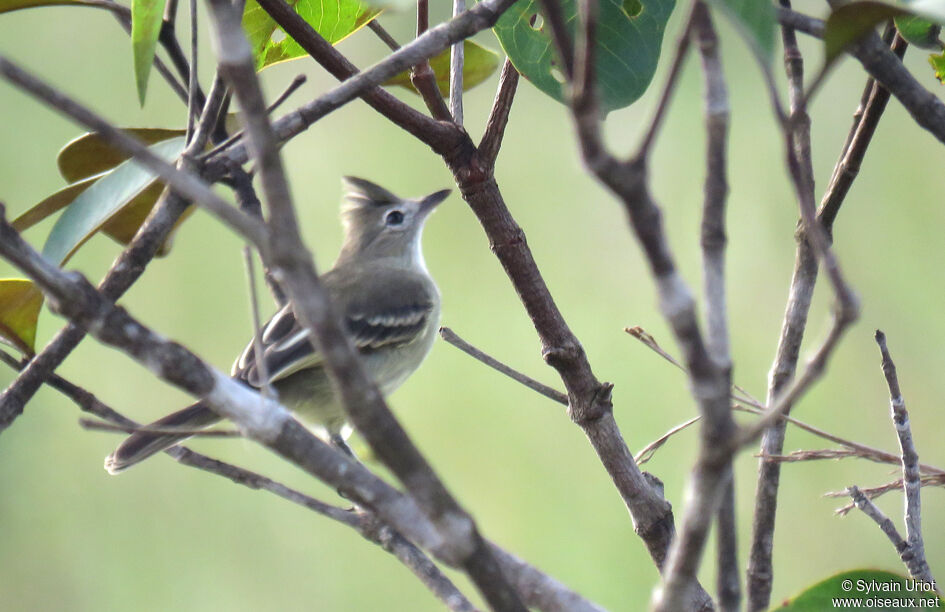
[389,304]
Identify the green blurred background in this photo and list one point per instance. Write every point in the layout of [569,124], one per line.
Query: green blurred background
[165,537]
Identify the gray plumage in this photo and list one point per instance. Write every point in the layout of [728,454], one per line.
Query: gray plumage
[390,307]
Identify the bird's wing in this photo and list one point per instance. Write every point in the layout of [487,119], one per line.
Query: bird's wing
[378,314]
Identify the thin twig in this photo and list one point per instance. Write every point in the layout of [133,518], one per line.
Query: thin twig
[499,115]
[933,480]
[647,452]
[192,84]
[450,336]
[456,71]
[422,76]
[266,388]
[884,522]
[669,89]
[297,82]
[130,429]
[384,35]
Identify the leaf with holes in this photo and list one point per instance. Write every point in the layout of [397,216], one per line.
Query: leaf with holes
[851,586]
[629,35]
[478,63]
[98,205]
[146,19]
[333,19]
[755,18]
[20,302]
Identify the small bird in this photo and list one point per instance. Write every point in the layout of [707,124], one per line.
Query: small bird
[389,305]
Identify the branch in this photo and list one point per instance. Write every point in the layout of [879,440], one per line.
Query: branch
[713,241]
[933,480]
[450,336]
[918,566]
[499,115]
[669,89]
[457,62]
[421,75]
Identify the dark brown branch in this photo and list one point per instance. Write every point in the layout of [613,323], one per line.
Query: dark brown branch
[384,35]
[669,89]
[499,115]
[421,75]
[866,119]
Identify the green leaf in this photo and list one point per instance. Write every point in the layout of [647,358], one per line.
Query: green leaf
[99,204]
[937,61]
[52,204]
[89,155]
[755,19]
[20,302]
[628,43]
[919,32]
[478,63]
[333,19]
[850,22]
[864,588]
[146,19]
[15,5]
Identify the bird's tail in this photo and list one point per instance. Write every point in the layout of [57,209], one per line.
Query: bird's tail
[141,445]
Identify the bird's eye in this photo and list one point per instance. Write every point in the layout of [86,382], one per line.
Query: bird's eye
[395,217]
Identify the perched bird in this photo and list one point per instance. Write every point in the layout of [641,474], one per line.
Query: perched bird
[388,302]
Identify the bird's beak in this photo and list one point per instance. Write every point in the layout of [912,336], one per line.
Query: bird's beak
[430,202]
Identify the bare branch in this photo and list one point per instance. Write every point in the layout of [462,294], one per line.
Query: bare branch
[918,566]
[933,480]
[421,75]
[669,89]
[456,71]
[450,336]
[94,425]
[713,241]
[384,35]
[499,115]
